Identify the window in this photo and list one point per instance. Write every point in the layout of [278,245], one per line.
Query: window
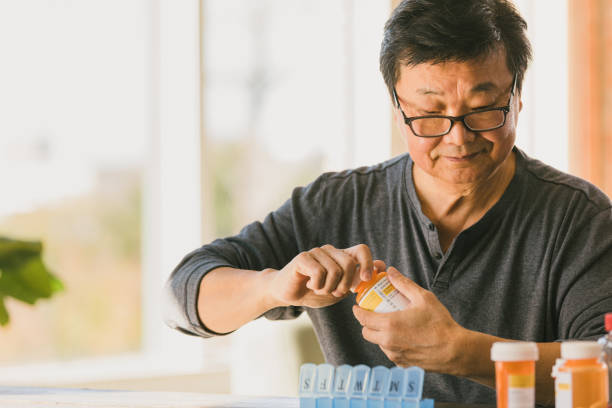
[100,107]
[291,89]
[543,128]
[73,151]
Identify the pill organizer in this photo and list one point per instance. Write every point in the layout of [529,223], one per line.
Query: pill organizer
[326,386]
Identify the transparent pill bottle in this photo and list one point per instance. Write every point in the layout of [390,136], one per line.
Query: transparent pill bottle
[379,295]
[581,377]
[606,344]
[515,373]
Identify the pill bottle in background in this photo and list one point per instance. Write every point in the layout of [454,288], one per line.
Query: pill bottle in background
[581,377]
[606,344]
[379,295]
[515,373]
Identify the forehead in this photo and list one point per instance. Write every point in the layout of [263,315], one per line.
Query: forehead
[486,74]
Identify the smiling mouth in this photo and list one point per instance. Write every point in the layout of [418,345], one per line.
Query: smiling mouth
[463,158]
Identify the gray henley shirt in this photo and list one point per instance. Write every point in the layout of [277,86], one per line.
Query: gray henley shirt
[536,267]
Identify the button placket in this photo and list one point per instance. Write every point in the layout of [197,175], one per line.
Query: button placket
[444,273]
[434,242]
[442,278]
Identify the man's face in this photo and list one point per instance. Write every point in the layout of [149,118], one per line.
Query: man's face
[453,89]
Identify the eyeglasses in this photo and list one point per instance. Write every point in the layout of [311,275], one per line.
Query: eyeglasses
[481,120]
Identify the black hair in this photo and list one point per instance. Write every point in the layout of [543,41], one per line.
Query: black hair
[437,31]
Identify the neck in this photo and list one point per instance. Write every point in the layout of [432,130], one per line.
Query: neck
[458,206]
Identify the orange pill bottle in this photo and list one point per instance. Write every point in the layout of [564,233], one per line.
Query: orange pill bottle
[379,295]
[581,377]
[515,373]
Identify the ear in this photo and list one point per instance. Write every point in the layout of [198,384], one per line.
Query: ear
[402,128]
[399,121]
[399,118]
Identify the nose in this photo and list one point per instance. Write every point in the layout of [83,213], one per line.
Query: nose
[459,134]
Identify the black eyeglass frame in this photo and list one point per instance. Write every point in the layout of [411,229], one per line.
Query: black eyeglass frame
[454,119]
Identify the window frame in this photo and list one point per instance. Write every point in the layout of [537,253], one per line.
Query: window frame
[172,211]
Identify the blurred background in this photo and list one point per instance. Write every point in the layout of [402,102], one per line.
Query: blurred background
[133,131]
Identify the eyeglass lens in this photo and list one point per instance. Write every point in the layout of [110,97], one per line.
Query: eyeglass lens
[476,121]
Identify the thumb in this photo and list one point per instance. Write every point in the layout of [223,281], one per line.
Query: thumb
[404,285]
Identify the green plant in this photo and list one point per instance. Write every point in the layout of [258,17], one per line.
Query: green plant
[23,275]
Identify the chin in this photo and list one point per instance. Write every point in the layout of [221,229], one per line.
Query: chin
[466,176]
[466,173]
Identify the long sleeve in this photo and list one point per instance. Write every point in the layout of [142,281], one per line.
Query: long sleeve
[585,277]
[273,243]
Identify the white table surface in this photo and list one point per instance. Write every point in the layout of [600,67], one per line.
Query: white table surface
[63,397]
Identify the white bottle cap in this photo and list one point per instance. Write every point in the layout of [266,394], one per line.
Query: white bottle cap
[576,350]
[514,351]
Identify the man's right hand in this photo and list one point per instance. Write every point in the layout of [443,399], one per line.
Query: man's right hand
[322,276]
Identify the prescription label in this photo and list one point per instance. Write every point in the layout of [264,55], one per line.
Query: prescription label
[563,390]
[371,301]
[384,298]
[388,290]
[521,391]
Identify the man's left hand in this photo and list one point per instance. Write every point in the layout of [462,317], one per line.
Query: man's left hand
[424,334]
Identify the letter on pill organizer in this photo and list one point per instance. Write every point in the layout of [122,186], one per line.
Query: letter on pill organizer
[358,386]
[379,379]
[341,384]
[308,376]
[323,391]
[414,389]
[396,388]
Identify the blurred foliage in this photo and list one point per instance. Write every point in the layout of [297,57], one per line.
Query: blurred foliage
[94,239]
[23,275]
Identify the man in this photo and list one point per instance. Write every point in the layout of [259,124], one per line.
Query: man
[487,243]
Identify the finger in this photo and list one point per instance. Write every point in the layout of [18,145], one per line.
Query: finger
[382,339]
[373,336]
[333,271]
[356,279]
[347,264]
[397,356]
[410,356]
[404,285]
[396,351]
[375,321]
[307,265]
[380,265]
[363,256]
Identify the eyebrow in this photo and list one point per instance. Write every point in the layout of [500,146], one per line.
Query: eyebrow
[482,87]
[427,91]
